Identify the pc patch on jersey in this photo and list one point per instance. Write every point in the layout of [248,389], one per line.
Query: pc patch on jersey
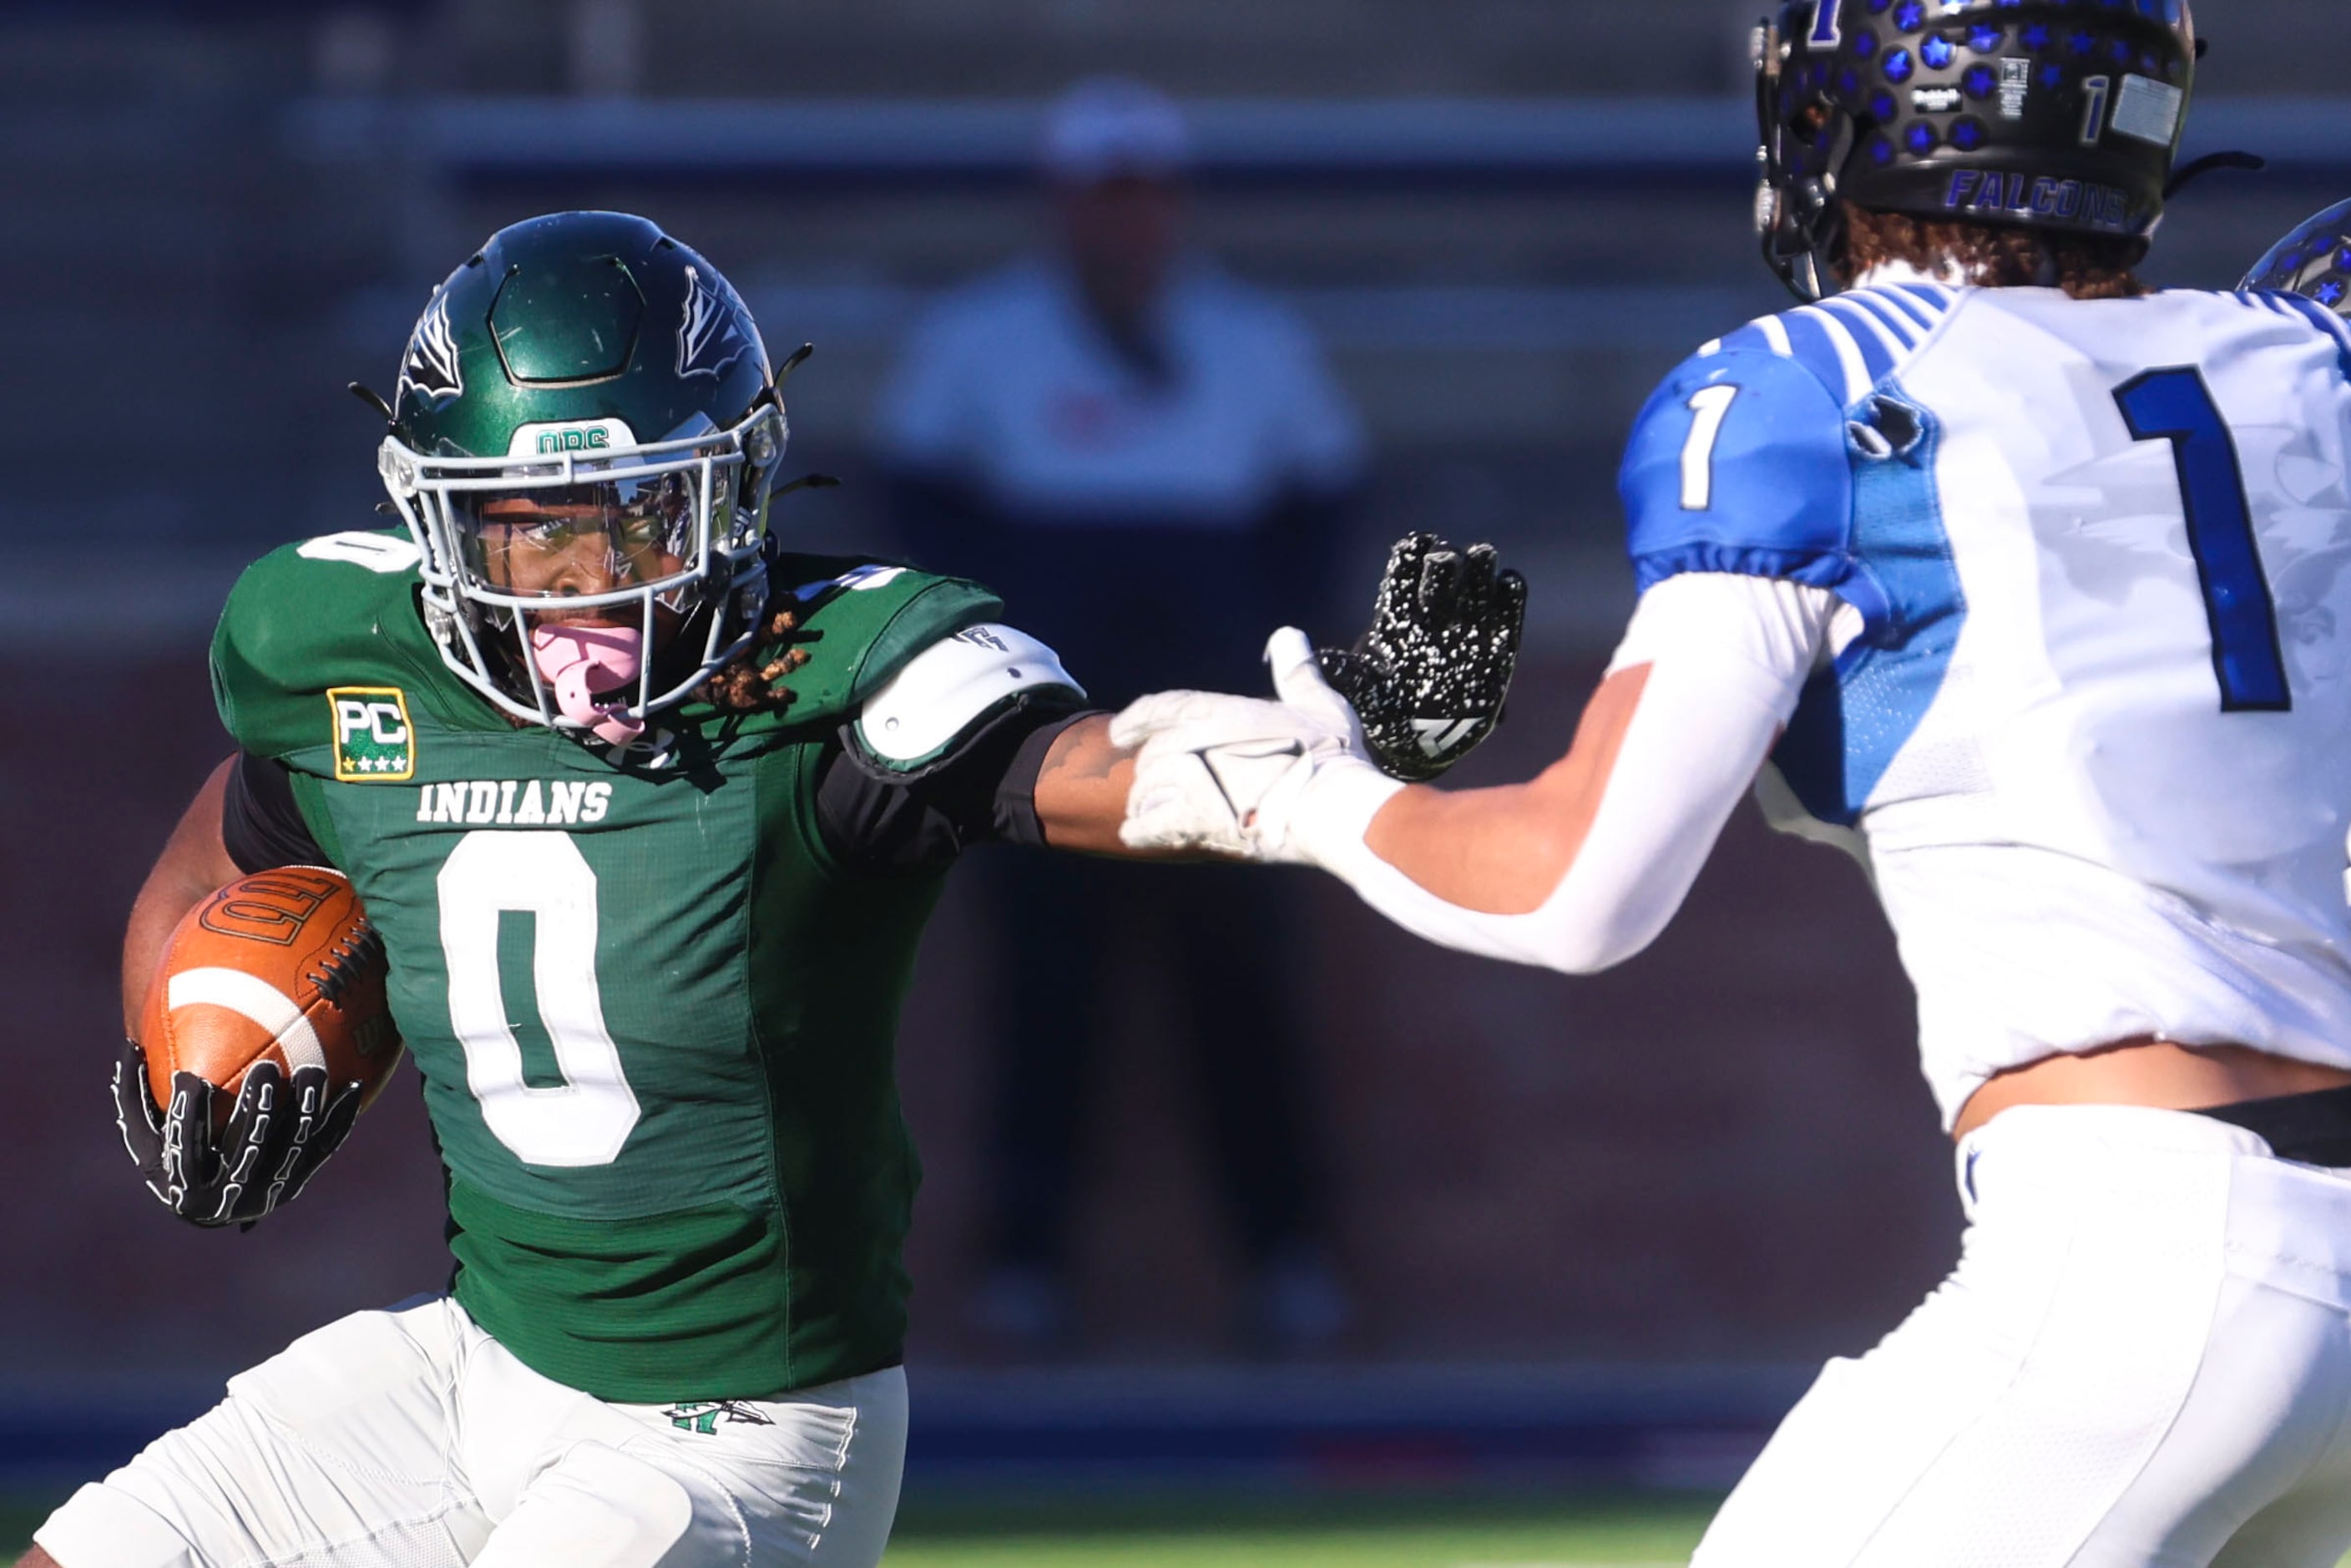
[373,740]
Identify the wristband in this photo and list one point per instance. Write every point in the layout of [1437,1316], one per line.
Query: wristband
[1327,823]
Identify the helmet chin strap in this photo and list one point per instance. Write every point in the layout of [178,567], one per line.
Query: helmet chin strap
[583,664]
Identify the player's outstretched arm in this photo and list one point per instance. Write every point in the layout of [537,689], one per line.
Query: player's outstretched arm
[1421,689]
[1506,849]
[1575,870]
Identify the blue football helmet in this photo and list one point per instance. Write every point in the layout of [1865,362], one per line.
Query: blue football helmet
[2314,261]
[2047,115]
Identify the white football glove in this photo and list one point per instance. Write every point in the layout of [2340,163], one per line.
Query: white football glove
[1229,774]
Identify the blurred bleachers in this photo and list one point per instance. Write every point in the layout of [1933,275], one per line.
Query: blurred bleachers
[1507,216]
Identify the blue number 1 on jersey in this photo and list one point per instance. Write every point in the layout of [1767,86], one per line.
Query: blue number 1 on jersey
[2174,405]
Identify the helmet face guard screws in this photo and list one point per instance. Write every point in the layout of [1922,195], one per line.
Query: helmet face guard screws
[2038,113]
[583,438]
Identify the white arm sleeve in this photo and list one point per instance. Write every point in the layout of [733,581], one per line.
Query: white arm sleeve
[1727,657]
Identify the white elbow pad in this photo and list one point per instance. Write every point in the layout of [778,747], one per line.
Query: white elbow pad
[947,690]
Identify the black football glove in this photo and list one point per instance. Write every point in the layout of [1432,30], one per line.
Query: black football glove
[1428,678]
[278,1133]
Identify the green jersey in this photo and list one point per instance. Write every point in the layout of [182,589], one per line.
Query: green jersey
[653,1016]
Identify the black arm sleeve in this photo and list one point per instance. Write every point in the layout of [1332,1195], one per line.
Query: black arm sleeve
[260,825]
[890,824]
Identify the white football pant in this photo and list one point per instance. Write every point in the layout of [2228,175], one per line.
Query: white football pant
[2143,1360]
[412,1440]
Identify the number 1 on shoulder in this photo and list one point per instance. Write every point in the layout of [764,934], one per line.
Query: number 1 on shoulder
[1712,406]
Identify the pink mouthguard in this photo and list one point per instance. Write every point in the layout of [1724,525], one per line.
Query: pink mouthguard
[585,663]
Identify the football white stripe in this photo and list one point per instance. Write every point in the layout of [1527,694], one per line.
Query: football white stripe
[253,998]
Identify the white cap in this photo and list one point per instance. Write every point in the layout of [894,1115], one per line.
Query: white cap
[1109,126]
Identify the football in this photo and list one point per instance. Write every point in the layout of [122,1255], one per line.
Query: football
[281,965]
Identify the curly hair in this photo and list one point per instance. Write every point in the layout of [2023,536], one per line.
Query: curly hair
[752,681]
[1993,256]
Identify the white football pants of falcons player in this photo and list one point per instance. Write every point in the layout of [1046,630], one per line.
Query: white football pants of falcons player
[2143,1360]
[2043,607]
[409,1438]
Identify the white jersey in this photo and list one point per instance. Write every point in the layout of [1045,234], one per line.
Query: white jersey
[2088,706]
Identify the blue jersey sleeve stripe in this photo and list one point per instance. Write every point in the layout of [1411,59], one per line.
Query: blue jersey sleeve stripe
[1749,338]
[2335,323]
[1880,348]
[1825,347]
[1936,298]
[1894,300]
[2328,322]
[1892,324]
[1808,345]
[1906,332]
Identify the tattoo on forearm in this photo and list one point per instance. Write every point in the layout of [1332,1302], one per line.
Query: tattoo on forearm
[1084,754]
[1081,788]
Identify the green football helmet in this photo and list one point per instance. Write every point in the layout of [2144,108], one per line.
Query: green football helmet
[583,436]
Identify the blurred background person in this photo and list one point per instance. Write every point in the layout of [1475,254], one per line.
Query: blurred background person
[1150,459]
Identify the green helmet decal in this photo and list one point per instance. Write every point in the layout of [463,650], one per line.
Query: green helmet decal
[585,385]
[429,372]
[717,331]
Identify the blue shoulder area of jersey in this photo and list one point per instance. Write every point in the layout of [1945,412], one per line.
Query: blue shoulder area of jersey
[1738,465]
[1744,459]
[1897,571]
[1788,449]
